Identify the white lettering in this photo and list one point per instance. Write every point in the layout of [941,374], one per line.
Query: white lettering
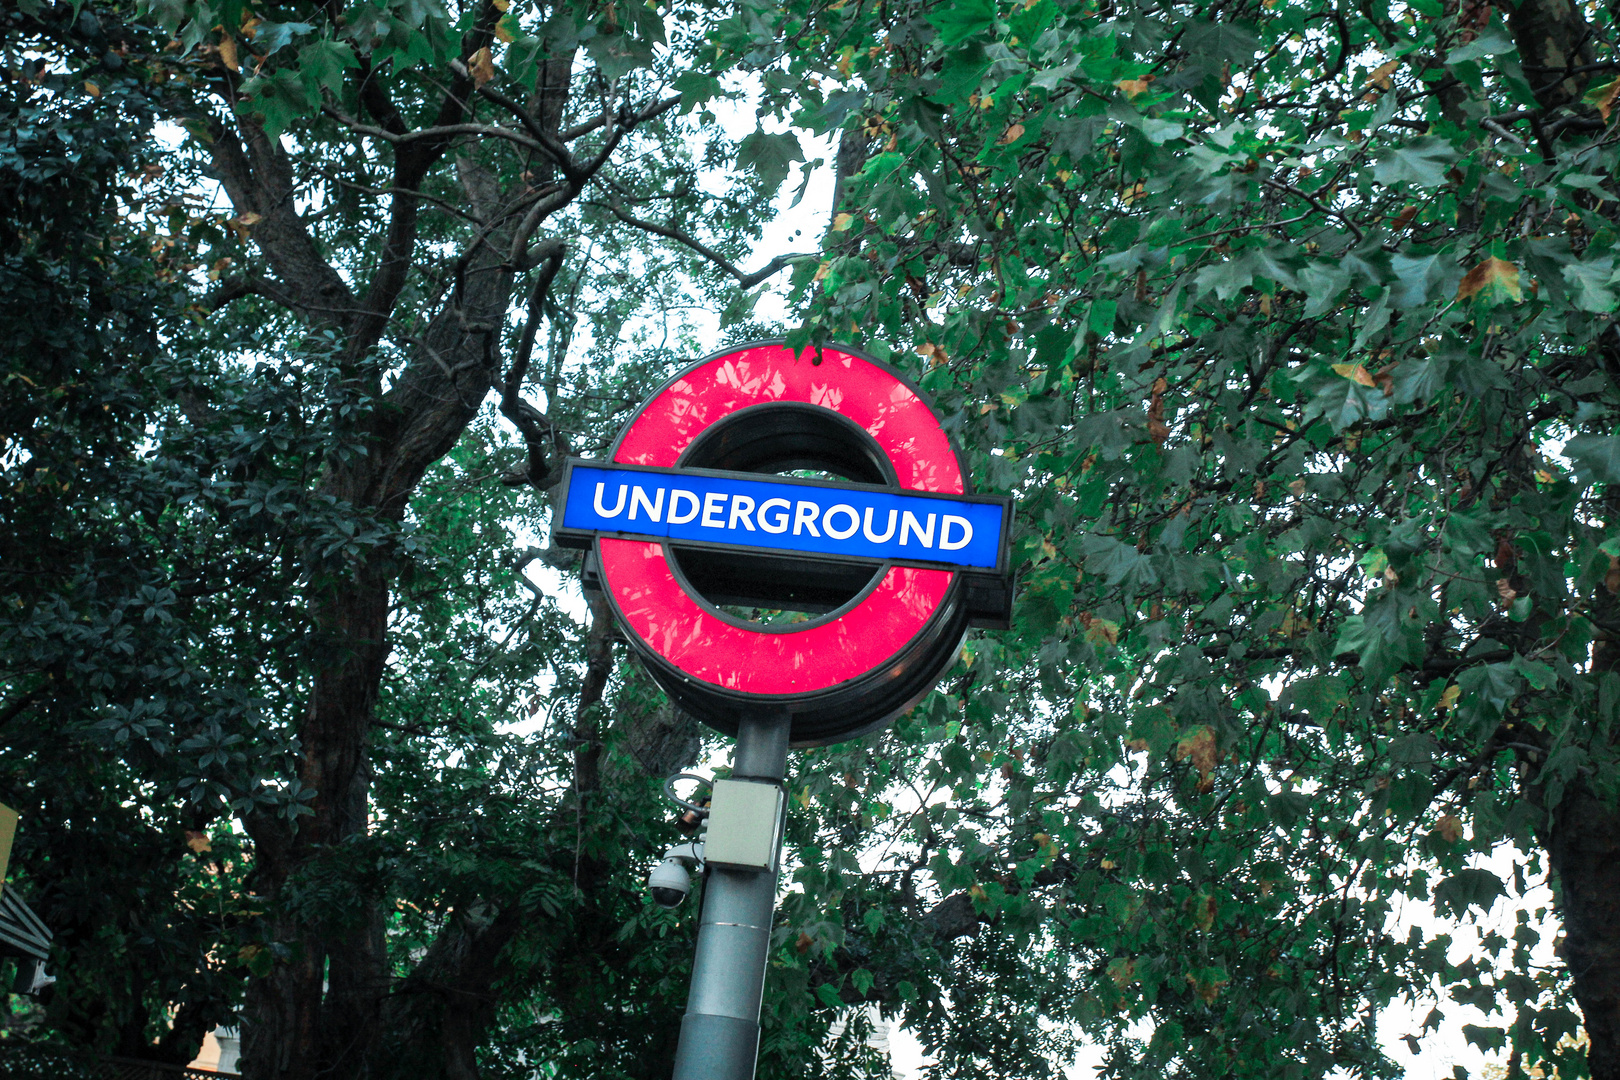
[741,507]
[909,525]
[618,507]
[675,498]
[712,506]
[780,522]
[866,527]
[804,517]
[841,534]
[639,500]
[945,542]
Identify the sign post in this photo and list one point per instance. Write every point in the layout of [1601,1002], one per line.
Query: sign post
[760,479]
[720,1032]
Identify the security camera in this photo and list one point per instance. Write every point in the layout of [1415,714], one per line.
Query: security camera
[32,980]
[670,882]
[671,879]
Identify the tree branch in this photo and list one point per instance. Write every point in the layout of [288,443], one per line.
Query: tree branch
[257,178]
[238,286]
[539,435]
[745,279]
[445,131]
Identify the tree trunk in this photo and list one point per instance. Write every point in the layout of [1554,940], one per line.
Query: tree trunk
[1582,831]
[317,1012]
[1584,846]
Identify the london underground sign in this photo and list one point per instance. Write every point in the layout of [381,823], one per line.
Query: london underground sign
[704,503]
[785,515]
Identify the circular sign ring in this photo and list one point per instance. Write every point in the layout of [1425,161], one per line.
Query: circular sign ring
[719,667]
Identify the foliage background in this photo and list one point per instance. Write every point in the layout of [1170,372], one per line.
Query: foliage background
[1289,325]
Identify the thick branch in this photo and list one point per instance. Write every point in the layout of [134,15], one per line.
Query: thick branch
[234,288]
[258,180]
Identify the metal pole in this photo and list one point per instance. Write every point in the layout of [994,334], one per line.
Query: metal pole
[720,1032]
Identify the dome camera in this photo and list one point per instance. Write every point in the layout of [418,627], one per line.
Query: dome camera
[669,883]
[670,880]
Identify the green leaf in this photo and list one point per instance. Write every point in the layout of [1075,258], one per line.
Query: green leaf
[1590,282]
[696,88]
[270,38]
[963,71]
[962,19]
[1468,888]
[322,64]
[1492,41]
[1596,457]
[1423,162]
[1319,696]
[770,156]
[618,53]
[277,99]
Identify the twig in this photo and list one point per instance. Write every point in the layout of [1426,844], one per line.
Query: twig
[744,279]
[1280,186]
[440,132]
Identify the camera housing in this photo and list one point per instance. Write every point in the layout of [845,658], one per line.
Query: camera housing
[669,883]
[671,880]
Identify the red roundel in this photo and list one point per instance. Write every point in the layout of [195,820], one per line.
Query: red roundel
[906,619]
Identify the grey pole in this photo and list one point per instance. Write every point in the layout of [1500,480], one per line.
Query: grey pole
[720,1032]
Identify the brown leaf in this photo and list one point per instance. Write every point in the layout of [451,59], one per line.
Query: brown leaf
[804,942]
[1495,275]
[1100,631]
[1012,134]
[1158,431]
[1356,373]
[1602,98]
[1450,828]
[1203,911]
[1386,380]
[1133,87]
[1505,590]
[242,223]
[481,66]
[1380,74]
[1208,991]
[197,841]
[227,52]
[1200,747]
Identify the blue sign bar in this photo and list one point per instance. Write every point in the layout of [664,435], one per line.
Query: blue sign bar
[781,515]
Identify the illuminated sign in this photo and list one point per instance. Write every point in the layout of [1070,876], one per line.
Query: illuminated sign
[701,518]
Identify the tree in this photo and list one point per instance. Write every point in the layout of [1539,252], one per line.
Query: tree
[1291,326]
[238,479]
[1288,323]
